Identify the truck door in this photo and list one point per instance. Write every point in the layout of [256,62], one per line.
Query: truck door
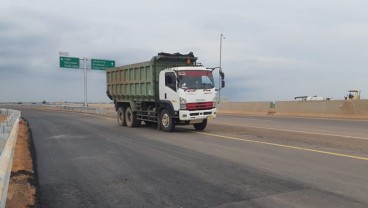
[168,89]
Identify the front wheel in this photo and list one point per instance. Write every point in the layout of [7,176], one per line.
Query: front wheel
[166,121]
[200,126]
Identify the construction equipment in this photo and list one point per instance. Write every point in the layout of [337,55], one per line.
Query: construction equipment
[353,95]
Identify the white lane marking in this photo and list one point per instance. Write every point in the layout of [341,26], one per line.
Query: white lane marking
[66,136]
[295,131]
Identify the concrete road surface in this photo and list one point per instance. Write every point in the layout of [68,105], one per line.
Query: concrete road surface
[238,161]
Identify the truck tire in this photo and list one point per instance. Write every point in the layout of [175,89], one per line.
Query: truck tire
[121,116]
[200,126]
[131,118]
[166,122]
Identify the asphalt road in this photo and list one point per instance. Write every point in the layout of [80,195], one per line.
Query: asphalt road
[238,161]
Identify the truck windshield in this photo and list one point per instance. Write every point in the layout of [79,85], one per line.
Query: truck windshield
[200,79]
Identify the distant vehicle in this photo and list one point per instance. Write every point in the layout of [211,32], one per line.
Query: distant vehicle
[170,90]
[353,95]
[309,98]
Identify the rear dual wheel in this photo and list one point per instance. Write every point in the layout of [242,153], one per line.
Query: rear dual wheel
[131,118]
[121,116]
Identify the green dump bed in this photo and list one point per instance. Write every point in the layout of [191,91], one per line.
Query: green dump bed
[139,82]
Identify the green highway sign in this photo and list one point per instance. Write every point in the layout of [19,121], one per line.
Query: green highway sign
[69,62]
[98,64]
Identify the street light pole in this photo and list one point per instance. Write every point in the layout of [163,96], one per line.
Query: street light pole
[220,80]
[85,81]
[221,37]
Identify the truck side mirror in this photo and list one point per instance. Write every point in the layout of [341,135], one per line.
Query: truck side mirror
[223,84]
[222,74]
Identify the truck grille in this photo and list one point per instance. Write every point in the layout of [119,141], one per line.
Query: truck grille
[200,106]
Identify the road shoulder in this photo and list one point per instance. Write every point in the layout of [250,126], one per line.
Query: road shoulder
[22,190]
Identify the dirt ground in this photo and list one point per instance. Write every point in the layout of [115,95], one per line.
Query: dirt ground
[107,106]
[22,186]
[2,118]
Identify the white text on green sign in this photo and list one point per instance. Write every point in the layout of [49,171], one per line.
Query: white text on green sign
[69,62]
[98,64]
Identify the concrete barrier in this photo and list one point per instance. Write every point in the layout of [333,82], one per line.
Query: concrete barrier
[262,108]
[325,108]
[8,137]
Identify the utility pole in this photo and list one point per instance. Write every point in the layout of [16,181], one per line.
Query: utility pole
[85,81]
[220,80]
[221,37]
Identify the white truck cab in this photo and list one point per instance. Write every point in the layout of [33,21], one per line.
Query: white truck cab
[191,91]
[168,90]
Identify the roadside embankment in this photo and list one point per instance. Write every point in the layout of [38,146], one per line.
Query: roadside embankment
[2,118]
[8,136]
[23,180]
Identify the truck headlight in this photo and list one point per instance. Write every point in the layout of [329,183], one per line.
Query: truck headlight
[183,104]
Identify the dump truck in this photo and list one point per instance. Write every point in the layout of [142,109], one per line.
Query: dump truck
[168,90]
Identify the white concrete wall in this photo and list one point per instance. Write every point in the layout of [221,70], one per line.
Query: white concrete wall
[245,107]
[334,108]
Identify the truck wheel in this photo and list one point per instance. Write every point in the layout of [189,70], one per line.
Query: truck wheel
[121,116]
[166,122]
[200,126]
[131,118]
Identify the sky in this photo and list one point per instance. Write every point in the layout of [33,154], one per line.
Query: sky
[272,51]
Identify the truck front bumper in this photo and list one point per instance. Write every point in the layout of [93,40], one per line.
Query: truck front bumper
[186,115]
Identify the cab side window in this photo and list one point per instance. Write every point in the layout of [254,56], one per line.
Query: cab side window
[170,80]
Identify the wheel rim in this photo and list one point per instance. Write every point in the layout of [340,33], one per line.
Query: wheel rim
[165,120]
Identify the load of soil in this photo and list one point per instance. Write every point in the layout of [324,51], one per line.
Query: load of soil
[2,118]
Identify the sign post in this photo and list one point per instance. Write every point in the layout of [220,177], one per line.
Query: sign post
[85,81]
[73,63]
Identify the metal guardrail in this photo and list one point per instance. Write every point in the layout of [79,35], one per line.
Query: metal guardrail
[8,137]
[71,108]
